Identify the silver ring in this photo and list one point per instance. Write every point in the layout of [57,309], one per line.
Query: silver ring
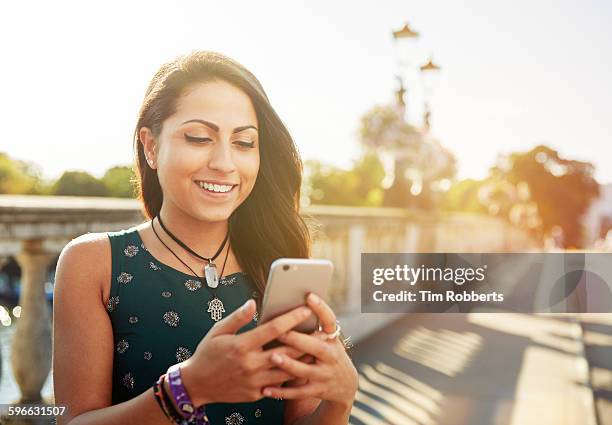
[335,333]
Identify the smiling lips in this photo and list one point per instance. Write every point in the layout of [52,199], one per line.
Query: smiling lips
[215,187]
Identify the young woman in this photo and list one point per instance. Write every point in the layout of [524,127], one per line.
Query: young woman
[157,323]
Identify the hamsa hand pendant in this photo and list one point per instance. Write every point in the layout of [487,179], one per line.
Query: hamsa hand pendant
[216,309]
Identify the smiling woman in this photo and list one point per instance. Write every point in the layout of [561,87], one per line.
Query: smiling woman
[145,327]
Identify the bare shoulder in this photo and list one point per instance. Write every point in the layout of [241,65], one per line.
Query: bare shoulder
[86,260]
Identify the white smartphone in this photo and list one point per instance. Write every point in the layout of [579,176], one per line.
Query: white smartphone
[289,282]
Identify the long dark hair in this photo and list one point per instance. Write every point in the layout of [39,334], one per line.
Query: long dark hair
[267,225]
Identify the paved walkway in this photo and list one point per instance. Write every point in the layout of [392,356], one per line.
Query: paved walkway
[471,369]
[598,346]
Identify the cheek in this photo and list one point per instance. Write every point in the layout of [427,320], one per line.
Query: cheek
[179,161]
[249,169]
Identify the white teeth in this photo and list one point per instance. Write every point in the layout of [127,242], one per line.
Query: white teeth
[215,187]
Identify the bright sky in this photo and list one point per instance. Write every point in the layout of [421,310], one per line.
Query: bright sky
[514,73]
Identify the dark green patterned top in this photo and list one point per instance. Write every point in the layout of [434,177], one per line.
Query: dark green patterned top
[159,315]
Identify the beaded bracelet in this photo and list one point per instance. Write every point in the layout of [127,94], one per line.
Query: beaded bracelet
[159,398]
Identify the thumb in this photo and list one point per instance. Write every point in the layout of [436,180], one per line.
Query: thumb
[236,320]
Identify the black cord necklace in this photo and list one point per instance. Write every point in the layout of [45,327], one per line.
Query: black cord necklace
[210,269]
[215,305]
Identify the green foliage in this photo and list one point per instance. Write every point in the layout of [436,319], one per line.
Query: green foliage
[78,183]
[562,189]
[463,196]
[359,186]
[19,177]
[118,182]
[536,189]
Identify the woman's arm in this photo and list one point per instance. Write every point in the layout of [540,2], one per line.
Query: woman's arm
[83,341]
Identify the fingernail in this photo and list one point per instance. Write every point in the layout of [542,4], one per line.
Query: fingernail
[306,312]
[267,392]
[314,298]
[276,358]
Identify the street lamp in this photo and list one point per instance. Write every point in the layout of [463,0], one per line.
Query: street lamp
[418,161]
[429,75]
[404,44]
[405,32]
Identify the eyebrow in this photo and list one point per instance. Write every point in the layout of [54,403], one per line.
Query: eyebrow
[215,127]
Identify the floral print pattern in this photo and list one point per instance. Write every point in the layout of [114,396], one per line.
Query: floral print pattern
[128,381]
[124,277]
[112,304]
[122,346]
[172,318]
[234,419]
[130,251]
[182,354]
[228,281]
[193,285]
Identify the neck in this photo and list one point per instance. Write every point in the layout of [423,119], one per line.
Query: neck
[204,237]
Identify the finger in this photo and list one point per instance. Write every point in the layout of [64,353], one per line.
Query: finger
[236,320]
[323,336]
[309,344]
[271,330]
[297,368]
[263,360]
[294,382]
[287,350]
[326,315]
[312,389]
[272,377]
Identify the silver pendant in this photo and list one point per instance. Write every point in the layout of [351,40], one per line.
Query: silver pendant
[216,309]
[210,272]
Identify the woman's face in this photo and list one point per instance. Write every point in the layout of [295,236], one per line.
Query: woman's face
[207,155]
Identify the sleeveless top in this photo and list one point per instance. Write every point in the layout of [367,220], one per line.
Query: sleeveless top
[159,315]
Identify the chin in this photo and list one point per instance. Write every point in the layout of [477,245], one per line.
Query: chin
[214,216]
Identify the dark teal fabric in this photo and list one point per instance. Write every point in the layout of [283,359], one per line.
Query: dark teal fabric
[159,315]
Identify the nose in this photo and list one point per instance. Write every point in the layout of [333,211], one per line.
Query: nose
[221,157]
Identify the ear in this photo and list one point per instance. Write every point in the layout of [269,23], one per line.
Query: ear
[148,143]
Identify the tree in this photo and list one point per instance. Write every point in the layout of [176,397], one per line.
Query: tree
[358,186]
[19,177]
[463,196]
[562,189]
[118,181]
[422,167]
[78,183]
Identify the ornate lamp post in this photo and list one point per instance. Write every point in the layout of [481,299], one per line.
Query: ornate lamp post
[415,156]
[404,42]
[429,74]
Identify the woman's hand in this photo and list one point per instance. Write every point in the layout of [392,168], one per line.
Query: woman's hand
[227,367]
[331,377]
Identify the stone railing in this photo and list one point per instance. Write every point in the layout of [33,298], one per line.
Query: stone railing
[33,229]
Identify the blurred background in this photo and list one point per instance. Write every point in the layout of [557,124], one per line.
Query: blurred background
[424,127]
